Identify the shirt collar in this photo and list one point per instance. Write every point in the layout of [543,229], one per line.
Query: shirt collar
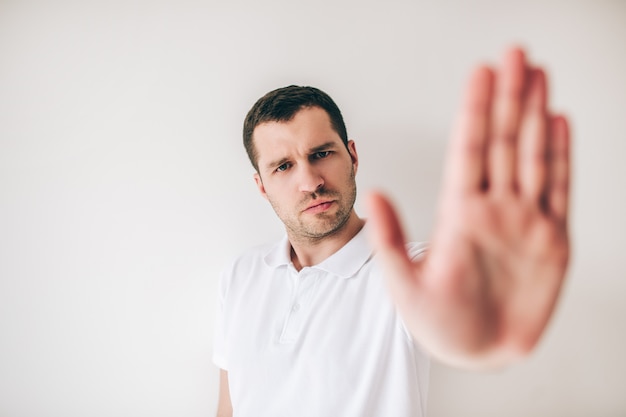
[346,262]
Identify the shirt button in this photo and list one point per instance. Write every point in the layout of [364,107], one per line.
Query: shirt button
[295,307]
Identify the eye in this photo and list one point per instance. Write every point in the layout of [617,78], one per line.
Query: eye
[321,154]
[283,167]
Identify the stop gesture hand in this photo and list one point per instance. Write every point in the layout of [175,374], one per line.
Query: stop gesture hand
[484,291]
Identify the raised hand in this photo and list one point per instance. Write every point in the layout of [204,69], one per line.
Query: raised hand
[484,291]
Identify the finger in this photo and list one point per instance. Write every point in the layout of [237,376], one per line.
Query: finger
[505,121]
[465,168]
[559,167]
[532,140]
[387,238]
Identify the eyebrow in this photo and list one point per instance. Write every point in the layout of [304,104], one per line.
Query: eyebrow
[324,146]
[327,145]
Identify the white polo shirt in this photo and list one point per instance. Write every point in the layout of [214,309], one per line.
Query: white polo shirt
[324,341]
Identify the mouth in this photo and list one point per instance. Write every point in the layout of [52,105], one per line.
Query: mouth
[318,207]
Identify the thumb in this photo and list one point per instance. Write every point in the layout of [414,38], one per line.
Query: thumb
[387,238]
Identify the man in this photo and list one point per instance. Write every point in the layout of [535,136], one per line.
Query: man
[307,326]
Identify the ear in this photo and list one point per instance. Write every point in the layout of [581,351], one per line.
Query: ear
[259,184]
[353,155]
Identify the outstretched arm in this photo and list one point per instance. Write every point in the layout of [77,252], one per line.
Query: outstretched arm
[483,294]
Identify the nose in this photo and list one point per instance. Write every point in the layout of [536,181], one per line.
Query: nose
[310,179]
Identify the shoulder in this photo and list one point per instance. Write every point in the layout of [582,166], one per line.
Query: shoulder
[248,264]
[416,250]
[251,257]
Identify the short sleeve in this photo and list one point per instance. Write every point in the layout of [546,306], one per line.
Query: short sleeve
[416,250]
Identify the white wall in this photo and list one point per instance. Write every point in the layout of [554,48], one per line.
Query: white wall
[124,186]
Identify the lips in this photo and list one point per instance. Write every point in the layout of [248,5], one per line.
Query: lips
[319,207]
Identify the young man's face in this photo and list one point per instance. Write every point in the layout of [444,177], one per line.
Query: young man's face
[306,173]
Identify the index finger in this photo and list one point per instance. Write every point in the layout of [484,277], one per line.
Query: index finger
[466,165]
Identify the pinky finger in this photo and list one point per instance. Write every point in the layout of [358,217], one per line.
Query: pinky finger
[559,174]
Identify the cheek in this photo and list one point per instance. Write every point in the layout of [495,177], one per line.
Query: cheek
[346,172]
[278,193]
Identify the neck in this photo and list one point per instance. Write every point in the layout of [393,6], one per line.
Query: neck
[308,252]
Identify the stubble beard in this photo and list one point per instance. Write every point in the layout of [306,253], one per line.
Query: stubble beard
[319,226]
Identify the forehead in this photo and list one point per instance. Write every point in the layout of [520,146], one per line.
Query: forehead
[309,128]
